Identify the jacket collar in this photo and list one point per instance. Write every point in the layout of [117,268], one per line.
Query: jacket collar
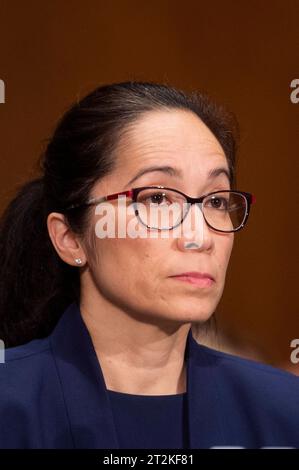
[87,401]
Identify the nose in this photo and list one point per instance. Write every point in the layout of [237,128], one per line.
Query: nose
[195,233]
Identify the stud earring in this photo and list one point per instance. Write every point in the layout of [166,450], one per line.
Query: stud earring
[78,261]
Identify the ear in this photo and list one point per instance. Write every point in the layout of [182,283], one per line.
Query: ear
[64,240]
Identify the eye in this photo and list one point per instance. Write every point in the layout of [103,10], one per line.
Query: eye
[217,202]
[157,198]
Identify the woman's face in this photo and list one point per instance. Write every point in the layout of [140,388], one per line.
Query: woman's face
[135,274]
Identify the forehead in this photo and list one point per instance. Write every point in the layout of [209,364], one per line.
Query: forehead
[176,135]
[176,139]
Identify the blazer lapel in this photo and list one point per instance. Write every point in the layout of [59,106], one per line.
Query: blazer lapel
[204,404]
[84,390]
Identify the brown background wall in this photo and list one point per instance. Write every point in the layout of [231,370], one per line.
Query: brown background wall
[245,54]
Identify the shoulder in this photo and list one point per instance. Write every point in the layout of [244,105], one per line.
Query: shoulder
[248,365]
[258,403]
[32,409]
[251,377]
[28,355]
[25,370]
[35,348]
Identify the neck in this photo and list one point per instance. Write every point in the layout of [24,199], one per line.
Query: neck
[136,355]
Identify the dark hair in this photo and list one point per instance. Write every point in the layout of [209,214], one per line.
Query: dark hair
[35,284]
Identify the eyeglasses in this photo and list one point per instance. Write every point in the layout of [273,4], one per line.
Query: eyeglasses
[223,211]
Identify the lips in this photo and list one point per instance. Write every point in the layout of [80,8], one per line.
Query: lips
[196,275]
[197,278]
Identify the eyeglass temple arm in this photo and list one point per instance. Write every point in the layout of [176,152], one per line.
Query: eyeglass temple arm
[97,200]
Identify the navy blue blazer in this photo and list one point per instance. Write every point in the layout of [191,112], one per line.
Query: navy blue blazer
[53,395]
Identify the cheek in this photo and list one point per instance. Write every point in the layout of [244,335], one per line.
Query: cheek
[128,265]
[224,249]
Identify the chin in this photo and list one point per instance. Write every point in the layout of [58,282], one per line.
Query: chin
[198,313]
[194,309]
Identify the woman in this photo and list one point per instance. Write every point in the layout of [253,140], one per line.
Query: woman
[98,326]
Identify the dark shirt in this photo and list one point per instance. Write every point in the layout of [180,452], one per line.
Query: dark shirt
[150,421]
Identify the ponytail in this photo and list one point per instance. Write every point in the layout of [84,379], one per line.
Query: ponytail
[34,281]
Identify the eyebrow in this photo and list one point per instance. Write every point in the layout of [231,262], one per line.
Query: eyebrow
[169,170]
